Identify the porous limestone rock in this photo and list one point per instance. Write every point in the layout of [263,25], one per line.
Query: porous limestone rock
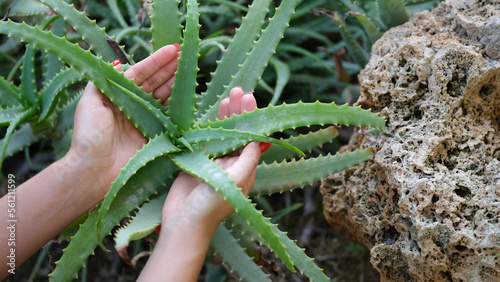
[428,204]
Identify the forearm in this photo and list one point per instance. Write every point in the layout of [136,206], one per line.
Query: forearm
[44,206]
[180,252]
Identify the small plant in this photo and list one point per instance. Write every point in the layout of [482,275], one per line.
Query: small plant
[186,135]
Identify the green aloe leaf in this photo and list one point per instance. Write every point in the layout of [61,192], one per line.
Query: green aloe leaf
[199,135]
[21,117]
[251,70]
[71,230]
[213,42]
[235,54]
[359,55]
[306,6]
[49,96]
[283,76]
[96,70]
[307,33]
[117,14]
[305,143]
[9,114]
[28,8]
[393,12]
[301,51]
[272,178]
[161,121]
[28,84]
[371,30]
[182,101]
[199,165]
[20,139]
[138,189]
[52,65]
[299,258]
[229,4]
[146,219]
[165,23]
[131,31]
[9,94]
[273,119]
[88,29]
[155,148]
[66,115]
[228,249]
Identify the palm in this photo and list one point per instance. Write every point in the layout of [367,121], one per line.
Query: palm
[103,134]
[103,137]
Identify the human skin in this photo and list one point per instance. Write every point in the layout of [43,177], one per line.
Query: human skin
[193,210]
[103,141]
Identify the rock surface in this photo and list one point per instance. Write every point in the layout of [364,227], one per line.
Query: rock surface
[428,203]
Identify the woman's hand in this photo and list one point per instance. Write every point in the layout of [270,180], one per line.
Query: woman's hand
[103,141]
[103,138]
[193,209]
[195,201]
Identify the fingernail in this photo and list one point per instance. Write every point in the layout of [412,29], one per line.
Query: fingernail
[239,87]
[158,229]
[177,46]
[264,146]
[116,62]
[248,93]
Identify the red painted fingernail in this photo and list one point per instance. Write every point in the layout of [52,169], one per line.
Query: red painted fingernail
[116,62]
[264,146]
[158,229]
[177,46]
[248,93]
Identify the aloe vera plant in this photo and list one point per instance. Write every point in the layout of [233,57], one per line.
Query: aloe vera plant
[186,135]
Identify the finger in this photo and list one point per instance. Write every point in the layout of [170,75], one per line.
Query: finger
[93,96]
[244,167]
[235,97]
[164,91]
[117,65]
[147,67]
[106,101]
[224,109]
[249,157]
[247,188]
[159,77]
[248,102]
[92,93]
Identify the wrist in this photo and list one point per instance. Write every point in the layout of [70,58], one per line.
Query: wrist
[199,211]
[180,250]
[73,166]
[189,222]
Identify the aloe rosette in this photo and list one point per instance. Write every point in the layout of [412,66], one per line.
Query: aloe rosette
[187,136]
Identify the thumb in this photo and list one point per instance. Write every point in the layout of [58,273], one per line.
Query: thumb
[242,172]
[249,157]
